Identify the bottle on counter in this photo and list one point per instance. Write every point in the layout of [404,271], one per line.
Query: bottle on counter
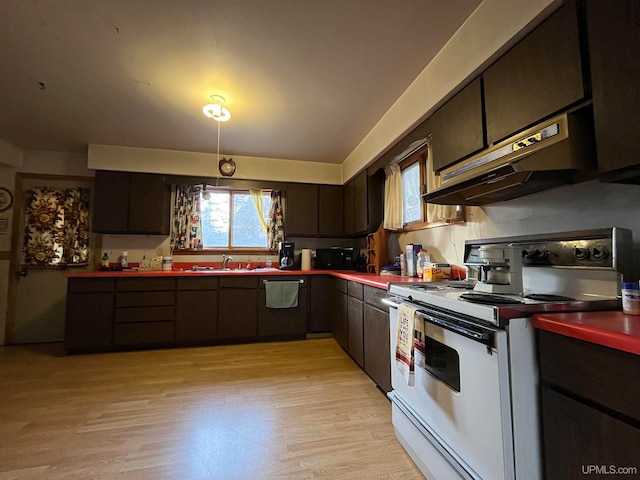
[403,265]
[104,262]
[422,262]
[124,260]
[631,298]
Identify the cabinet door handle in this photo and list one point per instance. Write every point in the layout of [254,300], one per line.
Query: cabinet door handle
[301,280]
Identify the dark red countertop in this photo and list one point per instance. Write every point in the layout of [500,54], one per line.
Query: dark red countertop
[377,281]
[612,329]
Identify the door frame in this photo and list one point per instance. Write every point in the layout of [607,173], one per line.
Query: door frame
[16,249]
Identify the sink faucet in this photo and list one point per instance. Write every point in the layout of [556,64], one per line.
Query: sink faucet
[225,260]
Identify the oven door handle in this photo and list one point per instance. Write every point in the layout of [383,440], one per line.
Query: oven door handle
[478,334]
[390,303]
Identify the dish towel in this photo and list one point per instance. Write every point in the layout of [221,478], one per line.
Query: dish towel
[281,294]
[410,339]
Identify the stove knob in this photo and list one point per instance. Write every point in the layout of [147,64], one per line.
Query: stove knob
[581,253]
[600,253]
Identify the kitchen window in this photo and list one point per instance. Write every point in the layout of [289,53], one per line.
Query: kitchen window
[234,219]
[416,214]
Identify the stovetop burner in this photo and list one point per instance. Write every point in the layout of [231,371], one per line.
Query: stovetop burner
[489,299]
[543,297]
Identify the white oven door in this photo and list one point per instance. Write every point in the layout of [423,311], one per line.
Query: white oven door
[460,400]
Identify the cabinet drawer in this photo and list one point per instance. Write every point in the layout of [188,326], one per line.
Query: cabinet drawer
[79,285]
[143,333]
[208,283]
[145,299]
[145,284]
[239,282]
[603,375]
[373,296]
[144,314]
[355,289]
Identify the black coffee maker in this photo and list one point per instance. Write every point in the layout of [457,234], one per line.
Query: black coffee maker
[286,256]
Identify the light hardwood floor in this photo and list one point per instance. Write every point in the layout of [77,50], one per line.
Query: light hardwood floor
[289,410]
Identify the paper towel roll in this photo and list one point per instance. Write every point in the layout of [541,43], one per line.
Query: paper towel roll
[306,259]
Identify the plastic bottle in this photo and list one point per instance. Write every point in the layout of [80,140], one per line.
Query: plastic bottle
[403,265]
[631,298]
[124,260]
[104,262]
[422,262]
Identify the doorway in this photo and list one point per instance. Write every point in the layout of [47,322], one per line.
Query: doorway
[37,297]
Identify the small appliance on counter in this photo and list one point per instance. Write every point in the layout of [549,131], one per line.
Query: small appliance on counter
[337,258]
[286,256]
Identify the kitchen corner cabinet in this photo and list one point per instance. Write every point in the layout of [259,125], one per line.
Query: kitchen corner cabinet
[363,203]
[614,48]
[339,314]
[283,322]
[314,210]
[589,400]
[238,308]
[322,301]
[541,75]
[196,310]
[131,203]
[456,128]
[89,314]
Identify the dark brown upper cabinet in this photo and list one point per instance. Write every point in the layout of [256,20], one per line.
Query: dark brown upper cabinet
[456,127]
[538,77]
[363,203]
[330,214]
[301,214]
[314,210]
[131,203]
[614,47]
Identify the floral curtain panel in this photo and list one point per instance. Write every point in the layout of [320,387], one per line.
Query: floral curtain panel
[56,228]
[186,232]
[276,221]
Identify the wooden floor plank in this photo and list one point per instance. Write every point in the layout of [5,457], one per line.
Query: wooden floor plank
[288,410]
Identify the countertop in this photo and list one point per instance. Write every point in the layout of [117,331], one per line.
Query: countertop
[377,281]
[612,329]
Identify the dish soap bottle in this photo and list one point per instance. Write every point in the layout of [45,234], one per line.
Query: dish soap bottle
[104,262]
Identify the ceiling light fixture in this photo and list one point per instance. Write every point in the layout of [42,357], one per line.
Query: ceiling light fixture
[215,110]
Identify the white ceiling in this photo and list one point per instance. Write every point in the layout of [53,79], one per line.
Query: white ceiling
[303,79]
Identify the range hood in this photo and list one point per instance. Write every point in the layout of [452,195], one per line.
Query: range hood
[553,153]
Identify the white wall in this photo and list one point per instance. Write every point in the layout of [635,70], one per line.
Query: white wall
[172,162]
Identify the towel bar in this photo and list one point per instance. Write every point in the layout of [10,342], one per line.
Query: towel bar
[265,281]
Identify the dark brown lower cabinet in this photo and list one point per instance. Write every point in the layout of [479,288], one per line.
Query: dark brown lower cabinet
[590,413]
[196,310]
[283,322]
[322,299]
[89,321]
[355,319]
[377,361]
[339,319]
[238,308]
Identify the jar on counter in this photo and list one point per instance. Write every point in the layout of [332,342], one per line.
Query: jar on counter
[631,298]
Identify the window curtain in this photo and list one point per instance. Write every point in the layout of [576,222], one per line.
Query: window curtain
[256,196]
[393,198]
[435,212]
[186,232]
[276,221]
[56,228]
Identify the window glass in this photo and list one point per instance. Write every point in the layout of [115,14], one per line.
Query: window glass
[411,206]
[230,219]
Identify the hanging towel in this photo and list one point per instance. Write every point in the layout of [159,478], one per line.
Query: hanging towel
[408,324]
[281,294]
